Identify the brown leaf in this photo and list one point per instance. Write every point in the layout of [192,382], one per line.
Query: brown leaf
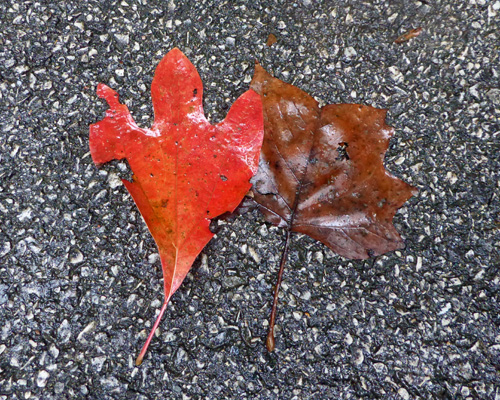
[271,39]
[321,170]
[321,173]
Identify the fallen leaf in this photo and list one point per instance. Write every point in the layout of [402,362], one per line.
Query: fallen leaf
[271,39]
[186,171]
[321,173]
[412,33]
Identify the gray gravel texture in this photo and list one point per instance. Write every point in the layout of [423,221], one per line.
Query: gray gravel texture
[80,279]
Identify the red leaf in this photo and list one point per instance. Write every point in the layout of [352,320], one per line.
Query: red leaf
[186,171]
[321,173]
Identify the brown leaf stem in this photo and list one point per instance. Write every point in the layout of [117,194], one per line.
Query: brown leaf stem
[270,343]
[139,359]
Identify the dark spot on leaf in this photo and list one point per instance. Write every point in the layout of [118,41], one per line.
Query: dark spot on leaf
[313,161]
[342,152]
[164,203]
[223,178]
[195,92]
[151,175]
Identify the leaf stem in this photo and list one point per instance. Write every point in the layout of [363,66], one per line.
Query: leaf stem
[270,343]
[139,359]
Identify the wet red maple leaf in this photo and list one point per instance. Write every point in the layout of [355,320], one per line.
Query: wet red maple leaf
[186,171]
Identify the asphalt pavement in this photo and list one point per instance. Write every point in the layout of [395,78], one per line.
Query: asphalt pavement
[80,278]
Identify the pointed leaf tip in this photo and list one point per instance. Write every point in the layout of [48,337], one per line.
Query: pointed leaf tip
[259,68]
[175,52]
[176,89]
[108,94]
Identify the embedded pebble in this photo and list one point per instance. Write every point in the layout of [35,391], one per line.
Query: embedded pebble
[41,379]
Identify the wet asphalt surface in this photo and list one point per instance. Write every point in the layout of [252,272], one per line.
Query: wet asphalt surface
[80,279]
